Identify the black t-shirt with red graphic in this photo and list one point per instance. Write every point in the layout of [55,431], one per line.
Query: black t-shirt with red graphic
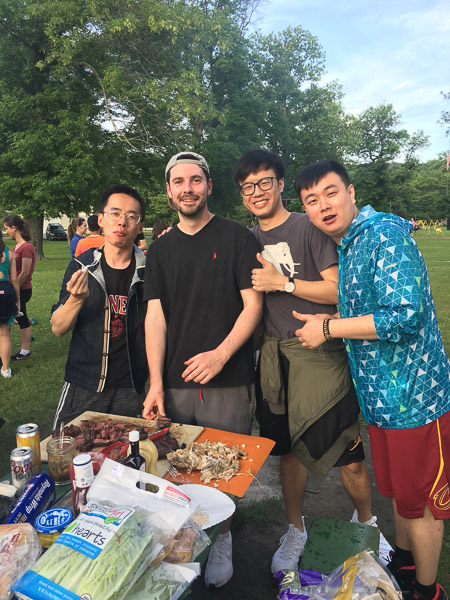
[118,283]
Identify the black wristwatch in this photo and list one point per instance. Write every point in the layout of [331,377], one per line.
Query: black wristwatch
[289,286]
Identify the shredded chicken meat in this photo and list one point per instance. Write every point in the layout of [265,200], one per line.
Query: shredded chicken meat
[215,460]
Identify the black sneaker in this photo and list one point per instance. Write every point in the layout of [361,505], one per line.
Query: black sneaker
[439,595]
[403,574]
[20,356]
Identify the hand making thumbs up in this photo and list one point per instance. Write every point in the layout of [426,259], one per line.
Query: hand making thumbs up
[267,279]
[311,334]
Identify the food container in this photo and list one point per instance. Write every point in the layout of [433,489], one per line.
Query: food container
[28,435]
[51,523]
[60,452]
[97,461]
[37,496]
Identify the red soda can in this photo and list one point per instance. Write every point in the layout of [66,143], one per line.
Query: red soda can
[21,467]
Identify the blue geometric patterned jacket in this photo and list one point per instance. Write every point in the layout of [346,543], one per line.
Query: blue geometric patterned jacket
[403,378]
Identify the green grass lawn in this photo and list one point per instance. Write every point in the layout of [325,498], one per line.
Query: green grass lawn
[31,395]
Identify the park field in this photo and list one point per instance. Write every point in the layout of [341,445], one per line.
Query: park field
[31,395]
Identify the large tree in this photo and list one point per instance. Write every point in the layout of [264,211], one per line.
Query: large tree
[379,172]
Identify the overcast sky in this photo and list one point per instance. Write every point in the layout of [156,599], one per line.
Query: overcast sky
[380,51]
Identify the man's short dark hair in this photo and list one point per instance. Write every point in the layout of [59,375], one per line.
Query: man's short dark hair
[256,160]
[312,174]
[121,188]
[93,223]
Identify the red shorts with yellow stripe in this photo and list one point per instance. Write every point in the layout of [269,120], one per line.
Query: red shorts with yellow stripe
[413,466]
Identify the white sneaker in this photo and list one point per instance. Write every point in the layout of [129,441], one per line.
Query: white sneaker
[219,568]
[384,548]
[292,545]
[6,374]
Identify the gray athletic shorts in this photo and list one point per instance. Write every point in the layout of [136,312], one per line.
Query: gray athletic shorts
[229,409]
[74,400]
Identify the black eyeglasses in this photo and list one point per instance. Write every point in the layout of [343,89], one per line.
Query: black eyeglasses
[264,184]
[115,214]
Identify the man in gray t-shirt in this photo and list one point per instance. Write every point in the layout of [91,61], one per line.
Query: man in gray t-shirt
[305,401]
[303,254]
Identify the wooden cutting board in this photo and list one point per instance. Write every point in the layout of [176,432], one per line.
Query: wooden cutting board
[258,449]
[183,433]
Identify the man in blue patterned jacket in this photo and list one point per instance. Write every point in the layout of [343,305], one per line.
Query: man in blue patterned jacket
[398,363]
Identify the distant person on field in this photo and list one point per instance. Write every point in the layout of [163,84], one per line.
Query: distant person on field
[140,242]
[94,240]
[101,303]
[158,228]
[9,304]
[75,232]
[398,362]
[25,256]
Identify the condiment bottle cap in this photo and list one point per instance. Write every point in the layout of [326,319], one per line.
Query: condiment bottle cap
[133,436]
[82,459]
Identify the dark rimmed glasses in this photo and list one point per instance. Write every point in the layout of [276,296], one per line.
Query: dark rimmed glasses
[264,184]
[115,214]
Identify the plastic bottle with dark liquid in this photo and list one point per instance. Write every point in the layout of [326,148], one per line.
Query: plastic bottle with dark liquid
[84,477]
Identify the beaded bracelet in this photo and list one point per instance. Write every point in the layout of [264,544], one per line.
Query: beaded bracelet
[326,330]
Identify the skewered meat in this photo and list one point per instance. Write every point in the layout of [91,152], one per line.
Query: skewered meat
[92,432]
[99,434]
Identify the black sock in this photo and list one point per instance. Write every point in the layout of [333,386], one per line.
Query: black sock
[427,591]
[404,557]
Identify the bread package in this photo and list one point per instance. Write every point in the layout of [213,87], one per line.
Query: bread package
[19,549]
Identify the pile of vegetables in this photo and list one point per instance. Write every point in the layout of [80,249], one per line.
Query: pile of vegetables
[107,576]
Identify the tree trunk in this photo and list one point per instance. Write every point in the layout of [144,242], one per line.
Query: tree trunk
[36,230]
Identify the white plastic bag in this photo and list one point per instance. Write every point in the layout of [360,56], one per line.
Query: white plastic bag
[121,530]
[164,582]
[19,548]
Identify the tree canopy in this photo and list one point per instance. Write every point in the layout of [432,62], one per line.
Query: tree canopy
[95,92]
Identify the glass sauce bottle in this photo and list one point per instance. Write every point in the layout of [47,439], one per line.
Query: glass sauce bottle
[135,460]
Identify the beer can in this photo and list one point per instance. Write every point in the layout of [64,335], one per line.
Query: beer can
[28,435]
[21,467]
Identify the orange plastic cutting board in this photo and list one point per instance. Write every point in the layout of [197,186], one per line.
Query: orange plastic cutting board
[258,449]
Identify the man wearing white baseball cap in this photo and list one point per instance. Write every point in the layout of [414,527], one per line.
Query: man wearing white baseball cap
[201,314]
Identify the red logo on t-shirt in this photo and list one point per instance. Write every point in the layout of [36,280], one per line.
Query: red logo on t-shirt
[118,312]
[214,255]
[116,327]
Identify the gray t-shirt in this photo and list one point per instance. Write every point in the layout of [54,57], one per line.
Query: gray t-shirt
[299,249]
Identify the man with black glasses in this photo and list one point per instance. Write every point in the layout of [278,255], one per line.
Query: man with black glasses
[306,402]
[101,303]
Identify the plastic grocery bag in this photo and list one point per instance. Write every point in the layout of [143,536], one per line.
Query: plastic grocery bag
[19,548]
[164,582]
[361,577]
[189,543]
[121,530]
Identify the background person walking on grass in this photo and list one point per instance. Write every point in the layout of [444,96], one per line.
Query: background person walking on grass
[306,401]
[398,363]
[25,256]
[75,232]
[94,239]
[9,304]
